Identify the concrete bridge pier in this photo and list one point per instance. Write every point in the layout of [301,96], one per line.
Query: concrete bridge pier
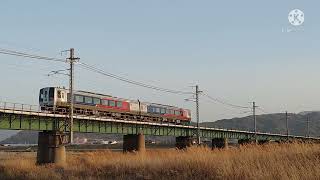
[183,142]
[219,143]
[51,147]
[134,142]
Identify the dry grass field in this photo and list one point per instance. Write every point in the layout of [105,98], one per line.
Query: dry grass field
[285,161]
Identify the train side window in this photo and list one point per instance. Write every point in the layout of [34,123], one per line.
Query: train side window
[112,103]
[157,110]
[104,102]
[59,94]
[96,101]
[177,113]
[119,104]
[162,110]
[78,98]
[151,109]
[88,100]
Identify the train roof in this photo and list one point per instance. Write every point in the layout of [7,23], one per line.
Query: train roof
[97,94]
[86,92]
[163,105]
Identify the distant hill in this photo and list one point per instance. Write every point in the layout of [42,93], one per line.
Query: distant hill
[273,123]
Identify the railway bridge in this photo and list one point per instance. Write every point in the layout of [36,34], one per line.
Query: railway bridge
[53,126]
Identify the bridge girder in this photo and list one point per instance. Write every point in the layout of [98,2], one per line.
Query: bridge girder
[32,122]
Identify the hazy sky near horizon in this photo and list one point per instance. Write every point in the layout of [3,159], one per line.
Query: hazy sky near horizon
[235,50]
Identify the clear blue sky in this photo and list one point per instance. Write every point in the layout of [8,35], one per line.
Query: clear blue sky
[235,50]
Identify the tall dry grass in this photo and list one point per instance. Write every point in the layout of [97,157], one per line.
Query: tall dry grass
[286,161]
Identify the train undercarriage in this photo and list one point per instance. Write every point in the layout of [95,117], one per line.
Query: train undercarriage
[99,112]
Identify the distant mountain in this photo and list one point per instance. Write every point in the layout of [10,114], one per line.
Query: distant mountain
[273,123]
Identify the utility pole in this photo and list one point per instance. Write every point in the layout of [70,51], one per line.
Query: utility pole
[254,119]
[197,113]
[308,123]
[287,125]
[72,60]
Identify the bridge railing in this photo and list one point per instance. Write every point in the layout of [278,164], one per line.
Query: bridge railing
[10,106]
[19,107]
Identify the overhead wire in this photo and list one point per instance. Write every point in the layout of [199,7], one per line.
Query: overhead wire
[224,102]
[137,83]
[27,55]
[94,69]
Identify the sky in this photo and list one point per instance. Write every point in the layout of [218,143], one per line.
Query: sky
[236,51]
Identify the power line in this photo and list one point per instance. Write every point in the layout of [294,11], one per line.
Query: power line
[137,83]
[225,103]
[32,56]
[91,68]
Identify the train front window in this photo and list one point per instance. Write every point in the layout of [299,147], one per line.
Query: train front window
[51,94]
[41,95]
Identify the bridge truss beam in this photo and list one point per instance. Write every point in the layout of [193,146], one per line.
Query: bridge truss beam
[16,121]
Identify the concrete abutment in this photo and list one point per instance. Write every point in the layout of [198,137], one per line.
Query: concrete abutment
[51,147]
[134,142]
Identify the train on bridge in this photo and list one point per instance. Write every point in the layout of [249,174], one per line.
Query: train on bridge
[87,103]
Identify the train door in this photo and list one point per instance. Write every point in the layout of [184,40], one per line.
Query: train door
[61,95]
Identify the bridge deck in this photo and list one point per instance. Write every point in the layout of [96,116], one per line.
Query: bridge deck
[33,119]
